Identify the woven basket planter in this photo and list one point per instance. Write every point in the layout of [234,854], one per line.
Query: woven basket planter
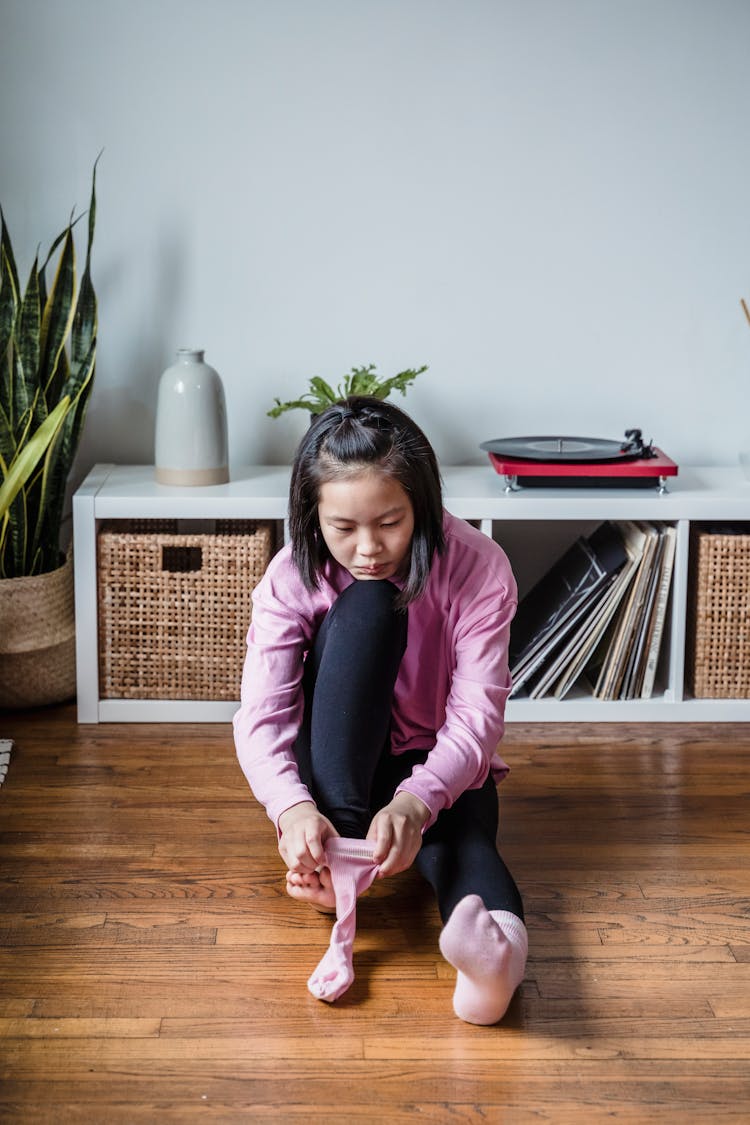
[37,639]
[174,608]
[719,619]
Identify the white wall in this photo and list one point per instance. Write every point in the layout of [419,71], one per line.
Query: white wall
[547,201]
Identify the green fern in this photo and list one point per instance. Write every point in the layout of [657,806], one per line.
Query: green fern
[360,381]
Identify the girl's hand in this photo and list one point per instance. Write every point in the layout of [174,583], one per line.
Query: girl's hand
[396,832]
[304,831]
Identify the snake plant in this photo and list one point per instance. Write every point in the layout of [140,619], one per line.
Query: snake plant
[360,381]
[48,359]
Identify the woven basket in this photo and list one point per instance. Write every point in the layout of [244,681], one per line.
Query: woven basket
[719,620]
[37,639]
[174,608]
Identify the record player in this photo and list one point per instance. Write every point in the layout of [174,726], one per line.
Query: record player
[569,462]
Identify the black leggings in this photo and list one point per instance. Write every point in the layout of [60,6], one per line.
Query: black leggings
[343,750]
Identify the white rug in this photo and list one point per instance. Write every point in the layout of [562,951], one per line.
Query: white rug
[5,747]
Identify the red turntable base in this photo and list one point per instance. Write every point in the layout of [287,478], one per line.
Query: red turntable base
[651,471]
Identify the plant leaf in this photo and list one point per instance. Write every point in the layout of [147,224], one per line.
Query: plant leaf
[79,389]
[8,250]
[26,342]
[48,493]
[63,234]
[305,403]
[7,441]
[60,459]
[361,381]
[84,326]
[323,391]
[56,322]
[9,299]
[27,459]
[399,382]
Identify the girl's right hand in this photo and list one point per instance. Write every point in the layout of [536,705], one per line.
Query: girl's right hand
[304,832]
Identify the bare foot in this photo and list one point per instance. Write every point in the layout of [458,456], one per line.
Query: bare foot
[313,887]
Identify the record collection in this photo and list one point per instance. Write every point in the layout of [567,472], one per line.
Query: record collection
[597,616]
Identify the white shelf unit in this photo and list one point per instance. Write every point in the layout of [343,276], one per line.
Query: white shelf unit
[476,493]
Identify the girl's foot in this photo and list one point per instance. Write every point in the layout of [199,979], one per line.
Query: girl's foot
[488,949]
[313,887]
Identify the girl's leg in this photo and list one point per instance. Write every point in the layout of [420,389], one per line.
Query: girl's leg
[459,855]
[350,674]
[484,936]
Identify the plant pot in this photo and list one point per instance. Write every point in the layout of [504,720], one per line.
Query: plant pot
[37,638]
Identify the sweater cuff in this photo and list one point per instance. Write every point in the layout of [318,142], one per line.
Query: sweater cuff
[427,799]
[295,796]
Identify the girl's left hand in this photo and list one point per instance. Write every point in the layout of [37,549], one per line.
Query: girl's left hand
[396,832]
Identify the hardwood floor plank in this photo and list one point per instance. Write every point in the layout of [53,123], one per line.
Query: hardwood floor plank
[426,1081]
[565,1111]
[226,1005]
[56,1054]
[11,1007]
[335,1114]
[62,1029]
[611,1090]
[731,1005]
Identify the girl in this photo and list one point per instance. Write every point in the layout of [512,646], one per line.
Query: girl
[374,691]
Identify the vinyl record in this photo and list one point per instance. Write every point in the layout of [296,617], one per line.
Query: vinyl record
[572,450]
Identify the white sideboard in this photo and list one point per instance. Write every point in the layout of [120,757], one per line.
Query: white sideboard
[697,495]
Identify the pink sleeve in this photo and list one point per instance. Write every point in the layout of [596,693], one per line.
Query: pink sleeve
[466,745]
[272,704]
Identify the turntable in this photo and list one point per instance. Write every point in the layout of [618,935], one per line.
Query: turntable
[568,462]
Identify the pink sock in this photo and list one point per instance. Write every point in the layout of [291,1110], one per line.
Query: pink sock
[352,872]
[489,949]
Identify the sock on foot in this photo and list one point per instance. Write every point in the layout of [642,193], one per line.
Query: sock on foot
[488,948]
[352,872]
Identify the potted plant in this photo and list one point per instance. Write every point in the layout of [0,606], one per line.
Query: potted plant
[48,355]
[360,381]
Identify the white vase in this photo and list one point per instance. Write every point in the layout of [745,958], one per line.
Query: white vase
[191,423]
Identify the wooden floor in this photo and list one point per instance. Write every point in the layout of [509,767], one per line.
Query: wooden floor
[152,969]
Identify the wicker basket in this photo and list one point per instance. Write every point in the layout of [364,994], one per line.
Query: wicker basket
[174,608]
[719,656]
[38,639]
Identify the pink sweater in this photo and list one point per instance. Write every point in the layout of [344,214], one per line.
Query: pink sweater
[451,688]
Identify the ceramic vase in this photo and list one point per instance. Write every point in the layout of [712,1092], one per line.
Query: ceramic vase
[191,423]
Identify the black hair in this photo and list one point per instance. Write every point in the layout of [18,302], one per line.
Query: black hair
[357,433]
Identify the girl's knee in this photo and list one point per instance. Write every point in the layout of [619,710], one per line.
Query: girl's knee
[369,607]
[375,595]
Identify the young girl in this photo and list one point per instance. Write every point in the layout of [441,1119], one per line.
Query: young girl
[373,696]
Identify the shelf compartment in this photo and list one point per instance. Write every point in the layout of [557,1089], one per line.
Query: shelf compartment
[174,607]
[718,646]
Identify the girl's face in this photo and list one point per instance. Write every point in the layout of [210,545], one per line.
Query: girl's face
[367,522]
